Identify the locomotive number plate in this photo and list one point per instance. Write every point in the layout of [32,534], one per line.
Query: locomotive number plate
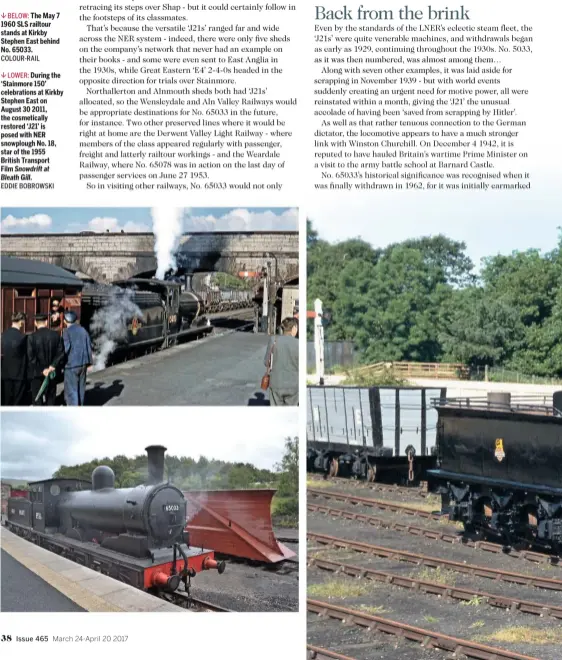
[171,507]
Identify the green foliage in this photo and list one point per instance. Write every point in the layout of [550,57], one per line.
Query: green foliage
[285,508]
[367,379]
[183,472]
[227,281]
[420,300]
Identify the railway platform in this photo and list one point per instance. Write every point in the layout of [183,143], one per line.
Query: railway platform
[37,580]
[221,369]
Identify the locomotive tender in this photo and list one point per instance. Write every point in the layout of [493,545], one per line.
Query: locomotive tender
[499,467]
[136,535]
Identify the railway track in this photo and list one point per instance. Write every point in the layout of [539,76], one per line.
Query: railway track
[436,562]
[437,535]
[188,602]
[465,594]
[319,653]
[418,491]
[376,504]
[427,638]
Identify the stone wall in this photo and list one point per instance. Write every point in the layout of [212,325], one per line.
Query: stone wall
[108,257]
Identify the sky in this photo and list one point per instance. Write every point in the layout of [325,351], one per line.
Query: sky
[489,225]
[36,443]
[41,220]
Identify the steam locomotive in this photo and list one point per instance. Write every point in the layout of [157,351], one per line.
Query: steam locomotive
[136,535]
[499,467]
[147,314]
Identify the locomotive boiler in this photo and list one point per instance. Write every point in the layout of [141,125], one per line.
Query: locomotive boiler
[499,467]
[134,534]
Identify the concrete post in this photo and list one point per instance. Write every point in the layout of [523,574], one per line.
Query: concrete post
[319,341]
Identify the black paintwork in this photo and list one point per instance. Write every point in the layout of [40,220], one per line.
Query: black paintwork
[531,442]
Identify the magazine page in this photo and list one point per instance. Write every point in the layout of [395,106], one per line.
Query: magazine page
[344,216]
[434,290]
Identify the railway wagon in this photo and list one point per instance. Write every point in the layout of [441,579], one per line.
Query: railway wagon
[136,535]
[499,466]
[32,287]
[372,433]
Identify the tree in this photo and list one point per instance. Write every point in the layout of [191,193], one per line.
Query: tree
[289,468]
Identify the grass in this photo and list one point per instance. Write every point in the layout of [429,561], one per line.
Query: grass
[316,483]
[419,506]
[373,609]
[366,379]
[439,575]
[430,619]
[477,624]
[475,601]
[285,511]
[339,589]
[525,635]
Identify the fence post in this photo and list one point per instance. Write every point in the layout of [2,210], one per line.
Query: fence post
[486,373]
[397,422]
[423,423]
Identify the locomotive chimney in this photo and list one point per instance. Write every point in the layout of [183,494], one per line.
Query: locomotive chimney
[155,463]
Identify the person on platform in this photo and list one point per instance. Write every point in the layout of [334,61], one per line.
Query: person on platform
[78,350]
[45,354]
[14,362]
[282,361]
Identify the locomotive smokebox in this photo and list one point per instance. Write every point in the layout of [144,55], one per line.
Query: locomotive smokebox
[155,463]
[499,400]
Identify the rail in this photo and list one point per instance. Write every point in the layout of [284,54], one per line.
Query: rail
[461,593]
[428,638]
[551,584]
[434,535]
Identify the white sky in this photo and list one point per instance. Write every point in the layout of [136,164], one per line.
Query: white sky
[35,443]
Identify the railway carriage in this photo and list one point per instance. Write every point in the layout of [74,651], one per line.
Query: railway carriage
[31,287]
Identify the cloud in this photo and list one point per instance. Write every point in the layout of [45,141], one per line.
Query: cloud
[100,224]
[36,444]
[244,220]
[34,223]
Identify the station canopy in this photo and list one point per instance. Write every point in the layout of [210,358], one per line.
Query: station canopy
[26,272]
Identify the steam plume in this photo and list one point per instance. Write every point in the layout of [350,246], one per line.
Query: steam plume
[109,324]
[167,224]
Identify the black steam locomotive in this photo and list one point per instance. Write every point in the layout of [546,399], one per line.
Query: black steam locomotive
[136,535]
[499,468]
[150,314]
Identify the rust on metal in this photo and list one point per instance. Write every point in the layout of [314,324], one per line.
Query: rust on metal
[436,535]
[319,653]
[377,504]
[438,589]
[436,562]
[235,522]
[427,638]
[369,484]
